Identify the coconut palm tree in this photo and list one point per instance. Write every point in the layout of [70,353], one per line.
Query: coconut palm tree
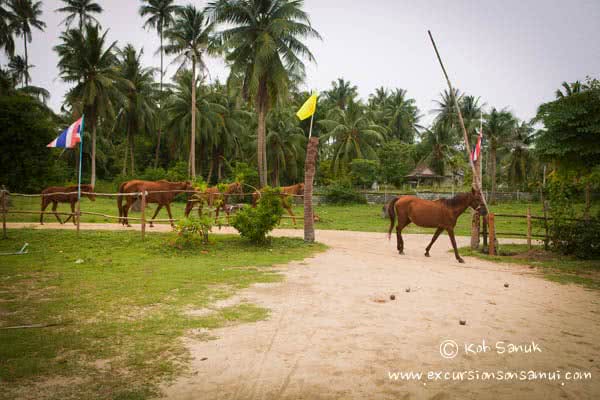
[89,62]
[286,142]
[521,163]
[263,38]
[26,15]
[498,127]
[353,135]
[402,116]
[341,93]
[138,108]
[439,142]
[82,9]
[19,69]
[190,37]
[379,98]
[160,16]
[569,89]
[7,41]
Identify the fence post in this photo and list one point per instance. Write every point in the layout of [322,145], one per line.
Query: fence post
[143,209]
[492,239]
[529,227]
[3,200]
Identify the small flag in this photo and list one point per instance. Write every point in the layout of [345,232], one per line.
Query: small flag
[477,149]
[69,137]
[308,108]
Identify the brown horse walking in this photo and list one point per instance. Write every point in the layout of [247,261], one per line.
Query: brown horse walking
[157,193]
[212,197]
[441,214]
[286,193]
[60,194]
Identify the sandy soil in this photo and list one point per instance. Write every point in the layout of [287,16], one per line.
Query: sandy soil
[334,332]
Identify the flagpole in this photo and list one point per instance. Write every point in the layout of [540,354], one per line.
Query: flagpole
[79,172]
[311,124]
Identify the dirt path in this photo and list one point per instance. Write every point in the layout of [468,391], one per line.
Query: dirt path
[334,333]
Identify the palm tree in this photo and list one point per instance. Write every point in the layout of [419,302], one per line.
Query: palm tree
[569,89]
[521,164]
[341,93]
[160,16]
[206,117]
[353,135]
[26,14]
[6,31]
[138,107]
[82,9]
[264,42]
[19,69]
[286,141]
[379,98]
[190,37]
[498,128]
[402,116]
[86,60]
[439,141]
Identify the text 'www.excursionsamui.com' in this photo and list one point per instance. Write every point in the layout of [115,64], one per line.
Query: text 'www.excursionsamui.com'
[498,375]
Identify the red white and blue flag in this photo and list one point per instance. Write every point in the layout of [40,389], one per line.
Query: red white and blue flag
[477,150]
[69,137]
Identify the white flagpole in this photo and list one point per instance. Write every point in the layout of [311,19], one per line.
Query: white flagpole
[80,158]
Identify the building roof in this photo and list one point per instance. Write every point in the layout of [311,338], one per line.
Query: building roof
[423,171]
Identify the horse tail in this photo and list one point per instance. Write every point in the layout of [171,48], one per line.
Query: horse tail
[391,211]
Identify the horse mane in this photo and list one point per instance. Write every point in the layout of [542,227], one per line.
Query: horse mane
[458,200]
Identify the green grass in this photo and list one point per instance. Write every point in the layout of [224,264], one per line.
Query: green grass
[120,313]
[555,267]
[354,217]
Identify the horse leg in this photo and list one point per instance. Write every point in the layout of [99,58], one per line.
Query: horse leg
[126,212]
[54,207]
[433,239]
[451,234]
[168,206]
[44,206]
[402,222]
[289,210]
[72,214]
[155,214]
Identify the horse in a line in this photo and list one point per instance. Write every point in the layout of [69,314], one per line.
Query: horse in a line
[441,214]
[213,197]
[160,192]
[60,194]
[286,193]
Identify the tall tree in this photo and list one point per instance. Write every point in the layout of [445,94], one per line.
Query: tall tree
[521,163]
[89,62]
[498,127]
[19,69]
[402,116]
[286,142]
[82,9]
[26,15]
[190,37]
[7,41]
[160,16]
[138,110]
[264,42]
[342,93]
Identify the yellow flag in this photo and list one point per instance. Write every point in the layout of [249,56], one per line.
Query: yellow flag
[308,108]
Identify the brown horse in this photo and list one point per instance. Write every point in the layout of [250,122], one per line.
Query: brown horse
[441,214]
[213,197]
[286,193]
[160,192]
[59,194]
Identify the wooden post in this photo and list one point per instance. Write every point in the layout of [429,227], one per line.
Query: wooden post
[143,216]
[529,227]
[3,200]
[492,239]
[475,230]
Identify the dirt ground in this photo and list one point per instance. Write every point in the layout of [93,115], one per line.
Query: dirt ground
[335,333]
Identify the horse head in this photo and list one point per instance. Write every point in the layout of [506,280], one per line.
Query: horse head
[476,202]
[90,192]
[300,189]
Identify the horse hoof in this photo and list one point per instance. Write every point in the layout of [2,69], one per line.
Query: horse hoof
[128,225]
[460,260]
[427,255]
[401,252]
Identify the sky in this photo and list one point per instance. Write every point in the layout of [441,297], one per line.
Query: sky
[511,54]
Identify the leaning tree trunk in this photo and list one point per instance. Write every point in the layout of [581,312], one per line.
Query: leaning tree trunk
[309,176]
[193,137]
[476,221]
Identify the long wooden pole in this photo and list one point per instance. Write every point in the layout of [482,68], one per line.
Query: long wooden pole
[461,122]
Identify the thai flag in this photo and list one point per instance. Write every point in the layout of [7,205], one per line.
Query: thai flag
[70,136]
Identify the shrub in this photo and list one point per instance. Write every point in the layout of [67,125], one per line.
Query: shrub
[192,232]
[255,223]
[177,173]
[154,174]
[364,172]
[343,193]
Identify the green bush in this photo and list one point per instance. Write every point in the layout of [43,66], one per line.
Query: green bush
[364,172]
[192,232]
[177,173]
[255,223]
[343,193]
[154,174]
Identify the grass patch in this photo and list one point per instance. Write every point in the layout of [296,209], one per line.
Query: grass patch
[555,267]
[120,313]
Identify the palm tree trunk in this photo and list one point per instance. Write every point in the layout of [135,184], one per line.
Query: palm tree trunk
[211,168]
[93,178]
[156,156]
[588,202]
[261,152]
[193,137]
[219,168]
[26,61]
[125,157]
[131,151]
